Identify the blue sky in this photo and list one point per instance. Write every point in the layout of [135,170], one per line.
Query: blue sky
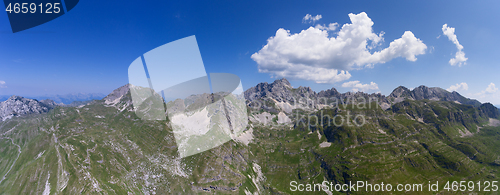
[90,48]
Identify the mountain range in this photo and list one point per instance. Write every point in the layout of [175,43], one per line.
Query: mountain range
[64,99]
[282,91]
[279,91]
[410,136]
[20,106]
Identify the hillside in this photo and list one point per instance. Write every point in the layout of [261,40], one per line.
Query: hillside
[416,136]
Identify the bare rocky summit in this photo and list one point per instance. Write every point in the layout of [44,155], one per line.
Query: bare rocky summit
[283,93]
[20,106]
[431,93]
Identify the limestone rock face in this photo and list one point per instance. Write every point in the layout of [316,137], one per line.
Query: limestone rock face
[431,93]
[20,106]
[278,90]
[287,98]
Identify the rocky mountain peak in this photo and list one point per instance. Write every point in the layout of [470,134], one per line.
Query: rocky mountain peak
[430,93]
[282,82]
[329,93]
[118,93]
[434,93]
[19,106]
[401,92]
[307,90]
[490,110]
[15,98]
[278,90]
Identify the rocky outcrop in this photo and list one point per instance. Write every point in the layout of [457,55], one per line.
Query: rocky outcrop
[431,93]
[117,94]
[489,110]
[399,94]
[280,90]
[329,93]
[288,98]
[434,93]
[20,106]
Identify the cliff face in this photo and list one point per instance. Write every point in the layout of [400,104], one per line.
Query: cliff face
[431,93]
[282,92]
[489,110]
[279,90]
[19,106]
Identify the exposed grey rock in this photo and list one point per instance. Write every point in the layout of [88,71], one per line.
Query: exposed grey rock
[431,93]
[305,98]
[329,93]
[278,90]
[51,103]
[434,93]
[287,98]
[489,110]
[399,94]
[20,106]
[117,93]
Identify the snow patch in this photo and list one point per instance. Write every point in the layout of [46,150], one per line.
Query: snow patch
[494,122]
[40,154]
[62,175]
[46,191]
[7,117]
[325,144]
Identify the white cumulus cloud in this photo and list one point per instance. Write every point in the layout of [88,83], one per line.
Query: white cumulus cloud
[320,75]
[491,88]
[311,19]
[358,86]
[460,58]
[458,87]
[330,27]
[2,84]
[313,54]
[490,94]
